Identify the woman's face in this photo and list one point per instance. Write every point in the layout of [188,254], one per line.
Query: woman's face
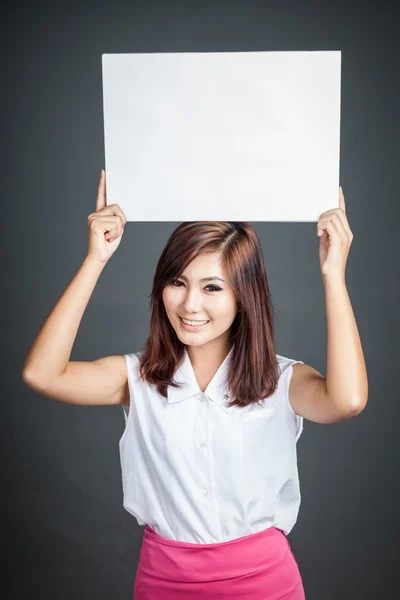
[193,299]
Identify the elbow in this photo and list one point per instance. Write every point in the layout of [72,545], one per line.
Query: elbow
[26,377]
[29,379]
[358,404]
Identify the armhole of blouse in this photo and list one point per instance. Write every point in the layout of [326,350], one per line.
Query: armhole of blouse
[298,420]
[130,367]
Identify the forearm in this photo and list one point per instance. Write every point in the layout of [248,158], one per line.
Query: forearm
[347,381]
[51,350]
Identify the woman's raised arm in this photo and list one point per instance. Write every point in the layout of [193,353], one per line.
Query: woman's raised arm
[47,367]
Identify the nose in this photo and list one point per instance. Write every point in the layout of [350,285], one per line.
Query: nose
[192,303]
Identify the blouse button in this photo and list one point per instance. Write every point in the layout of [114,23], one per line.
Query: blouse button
[202,444]
[205,491]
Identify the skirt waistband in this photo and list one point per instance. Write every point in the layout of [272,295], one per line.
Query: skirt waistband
[186,561]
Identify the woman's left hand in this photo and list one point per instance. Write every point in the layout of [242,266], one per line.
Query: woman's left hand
[336,239]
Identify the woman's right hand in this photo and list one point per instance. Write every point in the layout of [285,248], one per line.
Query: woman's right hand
[106,226]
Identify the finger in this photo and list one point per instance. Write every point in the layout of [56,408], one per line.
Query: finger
[101,201]
[109,224]
[108,218]
[113,210]
[334,231]
[340,214]
[335,219]
[342,203]
[124,219]
[117,210]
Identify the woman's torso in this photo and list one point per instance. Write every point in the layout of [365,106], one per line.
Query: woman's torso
[197,470]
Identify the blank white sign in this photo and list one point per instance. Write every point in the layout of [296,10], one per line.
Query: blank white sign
[222,136]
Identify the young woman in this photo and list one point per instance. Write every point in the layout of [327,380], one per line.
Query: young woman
[212,413]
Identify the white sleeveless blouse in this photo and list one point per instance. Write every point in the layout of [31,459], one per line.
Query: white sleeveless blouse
[198,471]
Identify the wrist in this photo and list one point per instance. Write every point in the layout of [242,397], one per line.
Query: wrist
[93,263]
[334,279]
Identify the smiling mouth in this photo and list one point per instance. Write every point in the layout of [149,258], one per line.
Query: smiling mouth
[201,323]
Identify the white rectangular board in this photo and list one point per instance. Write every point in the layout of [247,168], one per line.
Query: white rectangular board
[222,136]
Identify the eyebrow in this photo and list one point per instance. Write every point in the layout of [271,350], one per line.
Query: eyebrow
[205,278]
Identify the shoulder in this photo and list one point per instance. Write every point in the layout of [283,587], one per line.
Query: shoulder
[132,358]
[284,364]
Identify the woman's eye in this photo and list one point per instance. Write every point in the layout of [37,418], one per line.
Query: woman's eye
[176,283]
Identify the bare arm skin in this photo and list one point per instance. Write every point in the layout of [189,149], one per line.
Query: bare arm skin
[47,368]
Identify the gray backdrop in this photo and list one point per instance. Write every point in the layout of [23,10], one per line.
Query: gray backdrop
[65,532]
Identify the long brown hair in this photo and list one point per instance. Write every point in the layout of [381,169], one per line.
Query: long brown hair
[253,370]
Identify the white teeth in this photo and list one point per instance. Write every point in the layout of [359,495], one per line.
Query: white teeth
[198,323]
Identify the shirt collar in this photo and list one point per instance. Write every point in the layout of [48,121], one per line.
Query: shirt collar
[217,391]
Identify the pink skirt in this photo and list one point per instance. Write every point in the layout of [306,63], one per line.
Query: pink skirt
[259,566]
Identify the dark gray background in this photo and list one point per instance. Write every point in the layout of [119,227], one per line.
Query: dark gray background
[65,533]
